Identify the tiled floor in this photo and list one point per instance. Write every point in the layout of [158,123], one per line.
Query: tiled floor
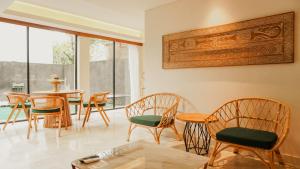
[45,151]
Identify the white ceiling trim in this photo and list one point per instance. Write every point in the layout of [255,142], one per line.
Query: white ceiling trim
[65,17]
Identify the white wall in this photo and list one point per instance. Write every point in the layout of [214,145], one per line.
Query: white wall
[208,88]
[84,66]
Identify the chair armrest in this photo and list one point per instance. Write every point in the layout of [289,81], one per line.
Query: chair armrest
[168,117]
[136,108]
[215,123]
[283,130]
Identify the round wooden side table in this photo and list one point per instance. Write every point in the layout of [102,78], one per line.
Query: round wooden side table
[195,133]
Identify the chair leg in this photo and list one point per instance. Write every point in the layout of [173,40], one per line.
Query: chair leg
[85,117]
[278,155]
[8,118]
[213,154]
[35,123]
[79,111]
[59,124]
[29,126]
[271,160]
[176,132]
[18,112]
[65,119]
[89,115]
[26,111]
[157,136]
[101,113]
[129,131]
[107,118]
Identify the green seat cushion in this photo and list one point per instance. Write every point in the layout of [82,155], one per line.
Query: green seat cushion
[53,110]
[27,105]
[74,100]
[85,104]
[147,120]
[248,137]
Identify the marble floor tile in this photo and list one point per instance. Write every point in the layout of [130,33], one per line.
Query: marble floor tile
[45,151]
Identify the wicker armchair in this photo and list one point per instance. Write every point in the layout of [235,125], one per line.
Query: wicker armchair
[155,113]
[254,124]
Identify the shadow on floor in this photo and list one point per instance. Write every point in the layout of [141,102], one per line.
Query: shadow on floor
[228,160]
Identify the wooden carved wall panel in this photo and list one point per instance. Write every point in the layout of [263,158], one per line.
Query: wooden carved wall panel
[266,40]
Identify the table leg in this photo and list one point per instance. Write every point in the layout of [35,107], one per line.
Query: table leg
[67,113]
[196,137]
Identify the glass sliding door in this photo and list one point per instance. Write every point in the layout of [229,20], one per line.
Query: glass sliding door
[101,68]
[127,74]
[13,64]
[51,53]
[122,75]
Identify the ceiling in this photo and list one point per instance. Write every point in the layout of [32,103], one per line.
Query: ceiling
[129,6]
[128,13]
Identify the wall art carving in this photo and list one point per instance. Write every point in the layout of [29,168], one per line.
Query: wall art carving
[267,40]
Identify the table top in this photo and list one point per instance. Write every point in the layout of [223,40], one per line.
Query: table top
[192,117]
[144,155]
[58,92]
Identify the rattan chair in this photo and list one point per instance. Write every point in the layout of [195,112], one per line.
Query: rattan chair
[18,102]
[96,101]
[76,99]
[254,124]
[155,113]
[46,106]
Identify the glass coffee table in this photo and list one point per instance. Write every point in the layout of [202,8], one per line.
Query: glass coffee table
[144,155]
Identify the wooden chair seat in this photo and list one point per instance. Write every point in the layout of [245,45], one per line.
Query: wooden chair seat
[86,104]
[74,100]
[50,110]
[27,105]
[248,137]
[146,120]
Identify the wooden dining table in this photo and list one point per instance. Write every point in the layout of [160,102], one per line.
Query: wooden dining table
[50,121]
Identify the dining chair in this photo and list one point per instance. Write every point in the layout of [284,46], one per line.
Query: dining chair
[46,106]
[97,101]
[18,102]
[76,99]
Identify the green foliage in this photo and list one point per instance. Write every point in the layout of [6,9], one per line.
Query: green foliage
[64,53]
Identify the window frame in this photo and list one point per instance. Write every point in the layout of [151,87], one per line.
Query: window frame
[77,34]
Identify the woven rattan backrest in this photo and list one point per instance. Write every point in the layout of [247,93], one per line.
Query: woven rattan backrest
[77,94]
[258,113]
[16,98]
[158,103]
[46,102]
[101,97]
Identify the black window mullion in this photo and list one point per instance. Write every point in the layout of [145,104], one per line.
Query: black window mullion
[76,66]
[114,75]
[28,73]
